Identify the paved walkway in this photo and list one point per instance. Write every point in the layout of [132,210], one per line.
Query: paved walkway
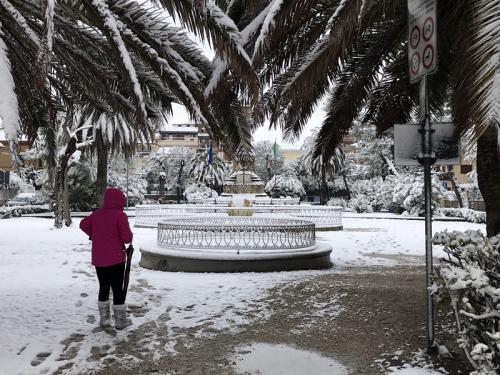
[365,318]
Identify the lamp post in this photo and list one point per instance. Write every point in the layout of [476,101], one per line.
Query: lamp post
[211,183]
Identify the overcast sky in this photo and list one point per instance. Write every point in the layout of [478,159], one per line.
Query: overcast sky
[180,115]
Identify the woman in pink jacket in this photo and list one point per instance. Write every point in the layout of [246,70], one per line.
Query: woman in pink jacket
[109,230]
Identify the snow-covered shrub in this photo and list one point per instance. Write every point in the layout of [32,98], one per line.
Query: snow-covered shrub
[361,203]
[17,211]
[137,183]
[408,193]
[81,185]
[469,215]
[285,185]
[377,191]
[174,163]
[26,179]
[338,202]
[470,279]
[198,191]
[266,161]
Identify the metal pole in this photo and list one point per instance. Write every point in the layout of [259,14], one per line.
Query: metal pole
[427,161]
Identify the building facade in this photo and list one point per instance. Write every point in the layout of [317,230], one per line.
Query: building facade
[193,136]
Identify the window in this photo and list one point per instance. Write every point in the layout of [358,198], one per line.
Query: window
[465,168]
[178,137]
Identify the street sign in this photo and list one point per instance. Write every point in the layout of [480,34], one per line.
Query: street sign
[408,148]
[422,52]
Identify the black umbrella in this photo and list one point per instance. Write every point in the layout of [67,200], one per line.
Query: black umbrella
[126,278]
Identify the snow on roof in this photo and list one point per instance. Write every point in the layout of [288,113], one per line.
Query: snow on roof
[180,129]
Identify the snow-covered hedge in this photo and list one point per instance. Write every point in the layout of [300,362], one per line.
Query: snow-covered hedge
[338,202]
[470,278]
[469,215]
[198,191]
[361,203]
[285,185]
[17,211]
[409,193]
[378,191]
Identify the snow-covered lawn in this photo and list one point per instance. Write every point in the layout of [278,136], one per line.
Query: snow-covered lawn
[48,287]
[379,239]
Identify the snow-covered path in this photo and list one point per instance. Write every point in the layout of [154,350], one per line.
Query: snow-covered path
[48,288]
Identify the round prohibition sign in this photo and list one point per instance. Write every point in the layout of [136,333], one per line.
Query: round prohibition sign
[415,63]
[428,56]
[414,37]
[428,28]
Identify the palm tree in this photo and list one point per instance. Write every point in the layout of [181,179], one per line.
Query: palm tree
[209,172]
[115,60]
[319,165]
[354,52]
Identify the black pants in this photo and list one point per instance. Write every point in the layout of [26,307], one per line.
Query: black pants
[111,277]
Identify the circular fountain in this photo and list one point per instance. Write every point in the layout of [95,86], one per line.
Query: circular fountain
[235,244]
[242,231]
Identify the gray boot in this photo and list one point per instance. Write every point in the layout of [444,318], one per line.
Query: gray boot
[121,320]
[105,313]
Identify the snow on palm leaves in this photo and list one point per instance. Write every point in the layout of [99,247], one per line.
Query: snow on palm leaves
[8,104]
[486,48]
[209,172]
[149,65]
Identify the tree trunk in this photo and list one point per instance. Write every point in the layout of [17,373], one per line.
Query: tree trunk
[179,178]
[346,186]
[102,168]
[323,197]
[58,194]
[390,165]
[161,188]
[488,177]
[61,183]
[67,213]
[456,189]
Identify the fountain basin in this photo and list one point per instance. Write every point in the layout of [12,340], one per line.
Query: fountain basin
[235,244]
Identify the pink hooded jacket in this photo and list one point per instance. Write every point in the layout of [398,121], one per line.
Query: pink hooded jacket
[109,230]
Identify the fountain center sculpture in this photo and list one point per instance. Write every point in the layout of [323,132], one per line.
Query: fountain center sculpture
[244,180]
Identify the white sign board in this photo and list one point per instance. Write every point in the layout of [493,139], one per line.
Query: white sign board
[422,52]
[408,145]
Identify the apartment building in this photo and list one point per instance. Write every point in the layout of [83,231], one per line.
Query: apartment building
[193,136]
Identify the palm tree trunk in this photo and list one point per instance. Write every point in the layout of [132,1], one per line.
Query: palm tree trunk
[488,177]
[179,180]
[102,168]
[456,189]
[67,213]
[161,188]
[58,195]
[390,165]
[323,198]
[61,183]
[346,186]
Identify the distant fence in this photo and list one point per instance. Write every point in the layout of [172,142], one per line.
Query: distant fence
[473,205]
[325,217]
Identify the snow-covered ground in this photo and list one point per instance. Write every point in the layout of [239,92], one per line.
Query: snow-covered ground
[384,240]
[48,287]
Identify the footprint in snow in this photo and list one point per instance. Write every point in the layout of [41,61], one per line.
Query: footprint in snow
[40,357]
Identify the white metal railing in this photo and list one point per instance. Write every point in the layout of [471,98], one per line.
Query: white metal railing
[258,201]
[242,233]
[322,216]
